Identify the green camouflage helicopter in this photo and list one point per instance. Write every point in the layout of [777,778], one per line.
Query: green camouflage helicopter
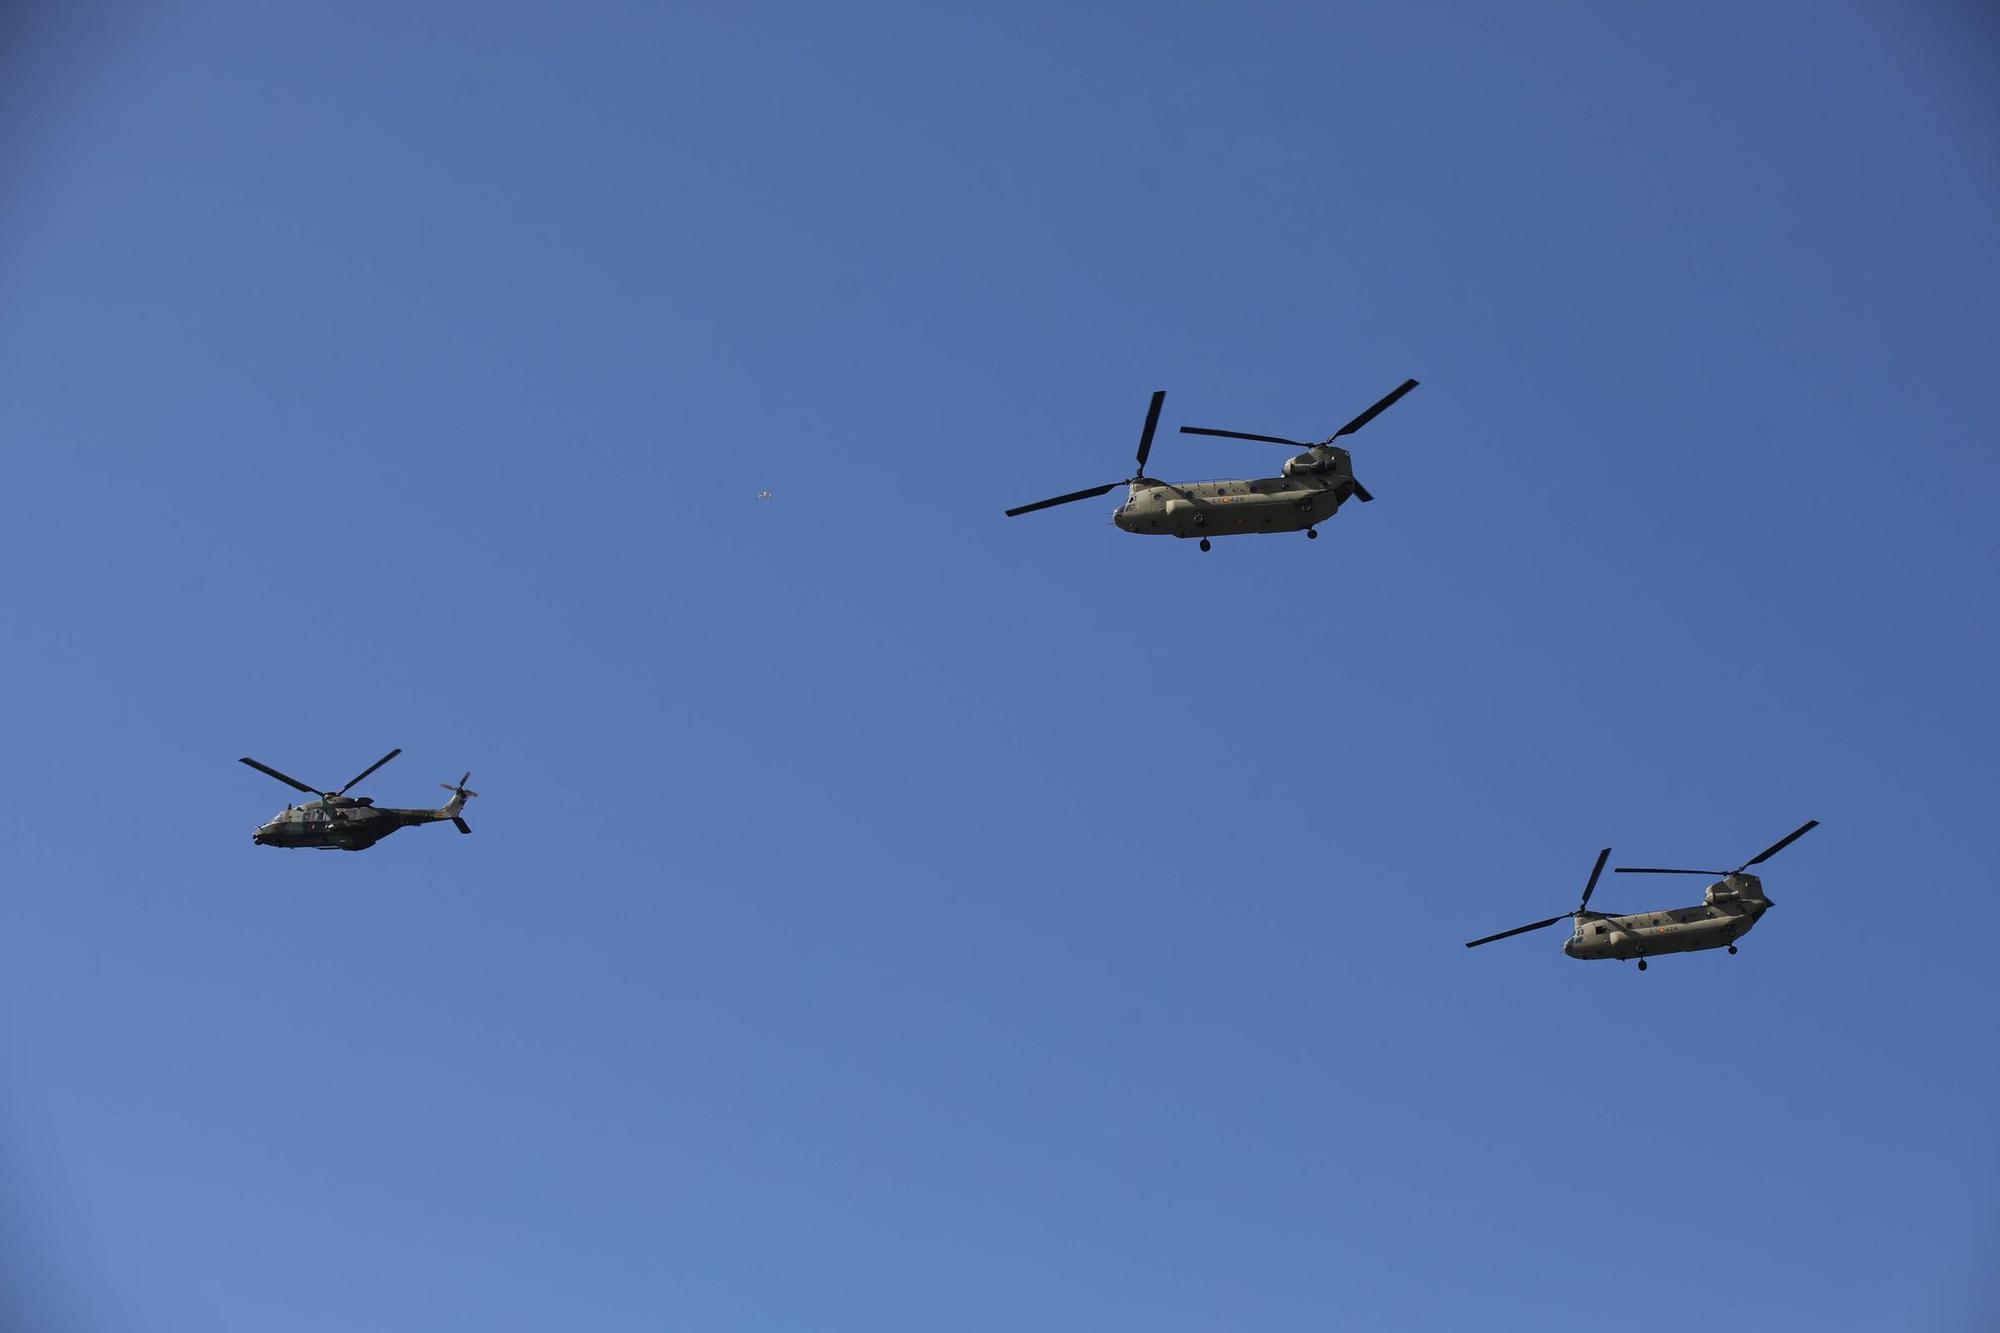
[1312,488]
[339,822]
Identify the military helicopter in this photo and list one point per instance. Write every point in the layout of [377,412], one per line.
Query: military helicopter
[1732,905]
[1313,487]
[338,822]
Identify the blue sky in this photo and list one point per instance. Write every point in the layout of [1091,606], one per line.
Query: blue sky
[883,915]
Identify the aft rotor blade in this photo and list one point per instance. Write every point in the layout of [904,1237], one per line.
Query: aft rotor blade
[1361,494]
[370,769]
[1662,870]
[1595,871]
[1518,930]
[1146,435]
[1244,435]
[288,781]
[1781,844]
[1375,411]
[1063,499]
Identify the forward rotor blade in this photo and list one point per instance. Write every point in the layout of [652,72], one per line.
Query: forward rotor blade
[1518,930]
[1063,499]
[1781,844]
[1146,435]
[1595,871]
[288,781]
[1361,494]
[370,769]
[463,827]
[1376,410]
[1662,870]
[1244,435]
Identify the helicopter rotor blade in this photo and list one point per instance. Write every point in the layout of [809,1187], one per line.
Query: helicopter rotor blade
[288,781]
[1244,435]
[1662,870]
[370,769]
[1152,424]
[1781,844]
[1361,494]
[1388,401]
[1518,930]
[1063,499]
[1595,871]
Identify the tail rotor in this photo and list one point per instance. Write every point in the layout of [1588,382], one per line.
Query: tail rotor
[459,795]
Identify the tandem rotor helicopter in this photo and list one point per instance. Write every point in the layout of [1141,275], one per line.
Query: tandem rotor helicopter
[339,822]
[1311,489]
[1732,905]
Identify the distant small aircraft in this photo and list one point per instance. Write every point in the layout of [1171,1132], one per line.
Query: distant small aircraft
[763,495]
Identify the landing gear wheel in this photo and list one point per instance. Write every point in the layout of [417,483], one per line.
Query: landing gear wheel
[1312,534]
[1204,543]
[1732,948]
[1642,965]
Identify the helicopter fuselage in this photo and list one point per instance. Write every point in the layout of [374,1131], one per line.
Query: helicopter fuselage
[1230,508]
[1732,906]
[347,826]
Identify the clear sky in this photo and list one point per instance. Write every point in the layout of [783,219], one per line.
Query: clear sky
[882,915]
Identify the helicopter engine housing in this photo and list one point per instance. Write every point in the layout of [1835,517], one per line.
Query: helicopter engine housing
[1736,889]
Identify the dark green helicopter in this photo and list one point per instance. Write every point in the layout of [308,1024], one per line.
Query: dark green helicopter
[339,822]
